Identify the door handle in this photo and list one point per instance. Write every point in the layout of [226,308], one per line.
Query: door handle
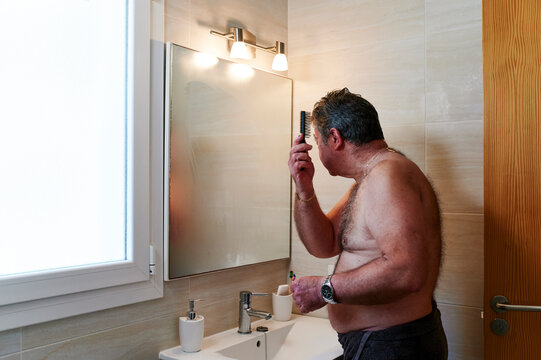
[500,304]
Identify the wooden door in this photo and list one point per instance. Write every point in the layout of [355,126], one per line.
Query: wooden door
[512,172]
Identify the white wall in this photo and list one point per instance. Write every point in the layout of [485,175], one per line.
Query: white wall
[420,63]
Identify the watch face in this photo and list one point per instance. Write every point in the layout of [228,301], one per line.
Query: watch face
[326,292]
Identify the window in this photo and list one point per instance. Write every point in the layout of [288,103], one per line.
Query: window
[74,155]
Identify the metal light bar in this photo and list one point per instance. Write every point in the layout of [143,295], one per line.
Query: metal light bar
[240,34]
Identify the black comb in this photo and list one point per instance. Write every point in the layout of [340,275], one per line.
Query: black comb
[305,125]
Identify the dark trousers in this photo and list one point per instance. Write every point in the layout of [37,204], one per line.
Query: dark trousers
[420,339]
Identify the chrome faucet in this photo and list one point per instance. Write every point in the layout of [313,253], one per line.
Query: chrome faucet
[245,311]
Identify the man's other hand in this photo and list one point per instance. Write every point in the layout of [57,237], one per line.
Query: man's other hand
[307,293]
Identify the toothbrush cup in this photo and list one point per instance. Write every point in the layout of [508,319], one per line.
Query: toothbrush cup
[281,306]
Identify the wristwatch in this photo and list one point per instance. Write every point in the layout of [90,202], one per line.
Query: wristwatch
[327,292]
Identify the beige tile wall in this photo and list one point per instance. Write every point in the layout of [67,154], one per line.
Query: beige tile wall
[15,356]
[188,23]
[141,330]
[420,63]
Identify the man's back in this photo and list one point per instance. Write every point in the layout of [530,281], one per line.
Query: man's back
[392,212]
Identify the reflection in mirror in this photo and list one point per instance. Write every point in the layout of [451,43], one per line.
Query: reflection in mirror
[227,145]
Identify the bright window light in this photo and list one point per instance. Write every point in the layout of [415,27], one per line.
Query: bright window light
[63,131]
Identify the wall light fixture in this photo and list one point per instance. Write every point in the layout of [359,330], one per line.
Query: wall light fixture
[242,45]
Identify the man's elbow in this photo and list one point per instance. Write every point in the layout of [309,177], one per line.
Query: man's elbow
[415,281]
[416,284]
[324,253]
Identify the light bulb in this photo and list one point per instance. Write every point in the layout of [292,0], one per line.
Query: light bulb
[239,50]
[280,62]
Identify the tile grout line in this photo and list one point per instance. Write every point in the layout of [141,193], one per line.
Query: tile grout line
[453,122]
[462,213]
[460,305]
[163,316]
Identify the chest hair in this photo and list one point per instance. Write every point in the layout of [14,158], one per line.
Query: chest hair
[345,222]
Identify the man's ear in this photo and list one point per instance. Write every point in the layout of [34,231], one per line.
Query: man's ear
[335,139]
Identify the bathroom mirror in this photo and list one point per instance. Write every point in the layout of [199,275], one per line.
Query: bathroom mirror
[228,188]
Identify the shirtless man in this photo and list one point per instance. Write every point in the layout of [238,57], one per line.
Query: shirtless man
[386,230]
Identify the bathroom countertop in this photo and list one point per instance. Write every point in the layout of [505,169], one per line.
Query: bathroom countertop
[302,337]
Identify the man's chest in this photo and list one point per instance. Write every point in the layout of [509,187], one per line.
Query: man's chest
[354,234]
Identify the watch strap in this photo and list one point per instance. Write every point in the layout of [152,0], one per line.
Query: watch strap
[327,283]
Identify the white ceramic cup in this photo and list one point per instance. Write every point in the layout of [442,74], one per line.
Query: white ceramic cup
[281,306]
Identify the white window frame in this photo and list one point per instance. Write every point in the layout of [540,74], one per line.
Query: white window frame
[97,287]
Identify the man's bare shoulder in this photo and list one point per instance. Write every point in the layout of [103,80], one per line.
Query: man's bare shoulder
[398,183]
[396,168]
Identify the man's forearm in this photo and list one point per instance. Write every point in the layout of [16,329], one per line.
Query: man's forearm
[314,228]
[378,282]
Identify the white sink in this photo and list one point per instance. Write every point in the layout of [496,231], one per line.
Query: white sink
[257,349]
[249,349]
[277,338]
[303,337]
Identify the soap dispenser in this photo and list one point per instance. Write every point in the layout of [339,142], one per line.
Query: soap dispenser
[191,329]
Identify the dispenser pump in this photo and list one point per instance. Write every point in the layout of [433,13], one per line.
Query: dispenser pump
[191,314]
[191,329]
